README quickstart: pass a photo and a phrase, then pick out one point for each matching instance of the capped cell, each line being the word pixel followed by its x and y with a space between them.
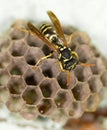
pixel 4 76
pixel 5 60
pixel 15 103
pixel 34 41
pixel 99 65
pixel 82 73
pixel 18 48
pixel 4 94
pixel 85 53
pixel 95 84
pixel 16 34
pixel 29 112
pixel 92 103
pixel 81 91
pixel 16 85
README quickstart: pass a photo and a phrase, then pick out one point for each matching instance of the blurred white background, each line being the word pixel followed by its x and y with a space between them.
pixel 88 15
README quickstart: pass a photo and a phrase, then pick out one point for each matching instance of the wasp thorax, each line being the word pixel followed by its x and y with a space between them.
pixel 71 64
pixel 65 53
pixel 68 61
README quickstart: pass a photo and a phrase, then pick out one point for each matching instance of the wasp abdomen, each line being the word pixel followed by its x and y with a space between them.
pixel 46 28
pixel 49 33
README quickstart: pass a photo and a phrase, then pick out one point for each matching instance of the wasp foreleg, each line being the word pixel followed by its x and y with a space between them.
pixel 43 58
pixel 61 66
pixel 75 54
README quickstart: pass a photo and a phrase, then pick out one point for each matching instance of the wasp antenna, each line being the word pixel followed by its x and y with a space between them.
pixel 68 78
pixel 87 64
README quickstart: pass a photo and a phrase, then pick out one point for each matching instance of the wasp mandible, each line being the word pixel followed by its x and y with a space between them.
pixel 55 39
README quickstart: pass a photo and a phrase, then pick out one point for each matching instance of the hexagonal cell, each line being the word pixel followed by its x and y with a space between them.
pixel 32 76
pixel 62 80
pixel 17 66
pixel 82 73
pixel 73 46
pixel 46 107
pixel 92 103
pixel 99 67
pixel 32 95
pixel 16 85
pixel 69 29
pixel 16 34
pixel 49 87
pixel 81 91
pixel 85 53
pixel 63 98
pixel 104 78
pixel 18 48
pixel 4 44
pixel 20 23
pixel 46 50
pixel 29 112
pixel 80 38
pixel 50 68
pixel 75 110
pixel 4 94
pixel 59 115
pixel 34 41
pixel 4 60
pixel 33 55
pixel 95 84
pixel 4 76
pixel 15 103
pixel 95 51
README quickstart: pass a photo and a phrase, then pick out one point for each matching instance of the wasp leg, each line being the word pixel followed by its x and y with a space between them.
pixel 86 64
pixel 68 77
pixel 61 66
pixel 75 54
pixel 43 58
pixel 82 64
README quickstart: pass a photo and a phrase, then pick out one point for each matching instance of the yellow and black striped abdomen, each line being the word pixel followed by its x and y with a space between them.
pixel 46 28
pixel 48 31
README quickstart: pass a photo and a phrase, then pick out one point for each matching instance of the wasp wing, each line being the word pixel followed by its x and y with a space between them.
pixel 36 32
pixel 57 26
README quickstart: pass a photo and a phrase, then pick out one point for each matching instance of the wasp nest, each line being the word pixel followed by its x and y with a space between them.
pixel 44 91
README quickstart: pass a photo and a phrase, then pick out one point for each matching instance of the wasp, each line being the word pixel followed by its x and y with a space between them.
pixel 55 39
